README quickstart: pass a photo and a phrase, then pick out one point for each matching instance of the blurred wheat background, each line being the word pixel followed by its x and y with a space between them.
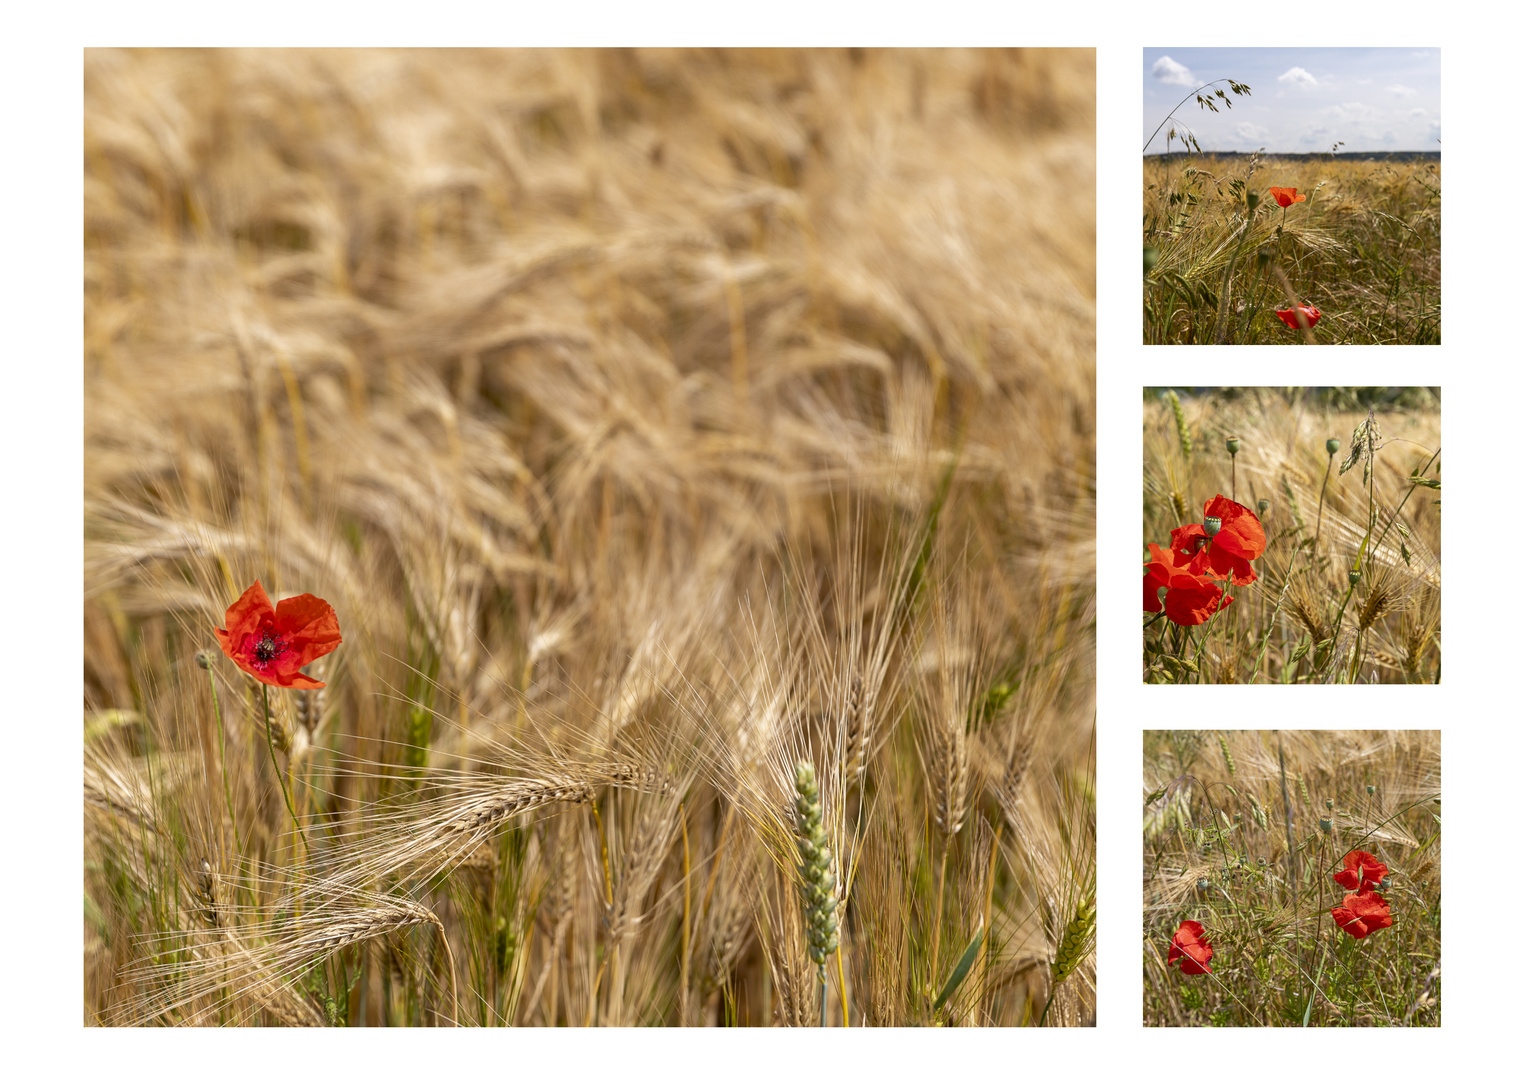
pixel 655 421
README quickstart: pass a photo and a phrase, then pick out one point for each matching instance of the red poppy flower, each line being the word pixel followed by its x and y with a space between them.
pixel 1362 871
pixel 1189 944
pixel 1285 196
pixel 1362 913
pixel 1189 600
pixel 1291 316
pixel 271 643
pixel 1228 554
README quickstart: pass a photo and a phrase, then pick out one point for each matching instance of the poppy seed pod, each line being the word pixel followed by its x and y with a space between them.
pixel 1253 198
pixel 1353 576
pixel 1329 804
pixel 1203 884
pixel 1233 445
pixel 1332 446
pixel 1262 507
pixel 1211 526
pixel 1326 824
pixel 1371 789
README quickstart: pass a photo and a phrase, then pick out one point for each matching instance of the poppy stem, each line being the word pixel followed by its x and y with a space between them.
pixel 270 743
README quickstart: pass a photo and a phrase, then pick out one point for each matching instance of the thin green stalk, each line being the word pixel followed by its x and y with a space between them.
pixel 270 742
pixel 1321 506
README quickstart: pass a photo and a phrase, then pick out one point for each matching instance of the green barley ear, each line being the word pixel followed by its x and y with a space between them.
pixel 1225 752
pixel 818 886
pixel 1185 441
pixel 1076 940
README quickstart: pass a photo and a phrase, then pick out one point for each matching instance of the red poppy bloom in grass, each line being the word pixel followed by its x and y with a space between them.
pixel 1286 196
pixel 1291 316
pixel 271 643
pixel 1361 871
pixel 1189 944
pixel 1228 553
pixel 1189 600
pixel 1362 913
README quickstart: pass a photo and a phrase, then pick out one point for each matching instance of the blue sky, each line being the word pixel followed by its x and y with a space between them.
pixel 1303 100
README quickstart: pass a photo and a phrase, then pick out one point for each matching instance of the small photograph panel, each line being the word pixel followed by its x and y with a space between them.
pixel 1292 535
pixel 1292 878
pixel 1292 196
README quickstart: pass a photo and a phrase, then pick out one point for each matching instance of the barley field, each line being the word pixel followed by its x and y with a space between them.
pixel 1297 533
pixel 1359 244
pixel 673 475
pixel 1292 878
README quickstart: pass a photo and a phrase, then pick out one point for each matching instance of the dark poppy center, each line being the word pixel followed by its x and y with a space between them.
pixel 268 647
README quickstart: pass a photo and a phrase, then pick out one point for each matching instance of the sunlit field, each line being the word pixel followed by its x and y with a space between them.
pixel 1232 241
pixel 1292 535
pixel 1293 879
pixel 669 476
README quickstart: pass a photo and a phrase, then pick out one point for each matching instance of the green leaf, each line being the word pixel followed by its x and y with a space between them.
pixel 962 969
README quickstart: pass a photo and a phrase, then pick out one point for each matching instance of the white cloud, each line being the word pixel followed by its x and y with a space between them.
pixel 1169 71
pixel 1401 91
pixel 1298 76
pixel 1248 132
pixel 1353 112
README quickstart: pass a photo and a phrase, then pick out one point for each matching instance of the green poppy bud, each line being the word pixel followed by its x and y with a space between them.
pixel 204 660
pixel 1262 507
pixel 1332 446
pixel 1371 789
pixel 1253 198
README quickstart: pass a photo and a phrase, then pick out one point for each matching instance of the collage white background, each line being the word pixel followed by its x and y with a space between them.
pixel 1478 707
